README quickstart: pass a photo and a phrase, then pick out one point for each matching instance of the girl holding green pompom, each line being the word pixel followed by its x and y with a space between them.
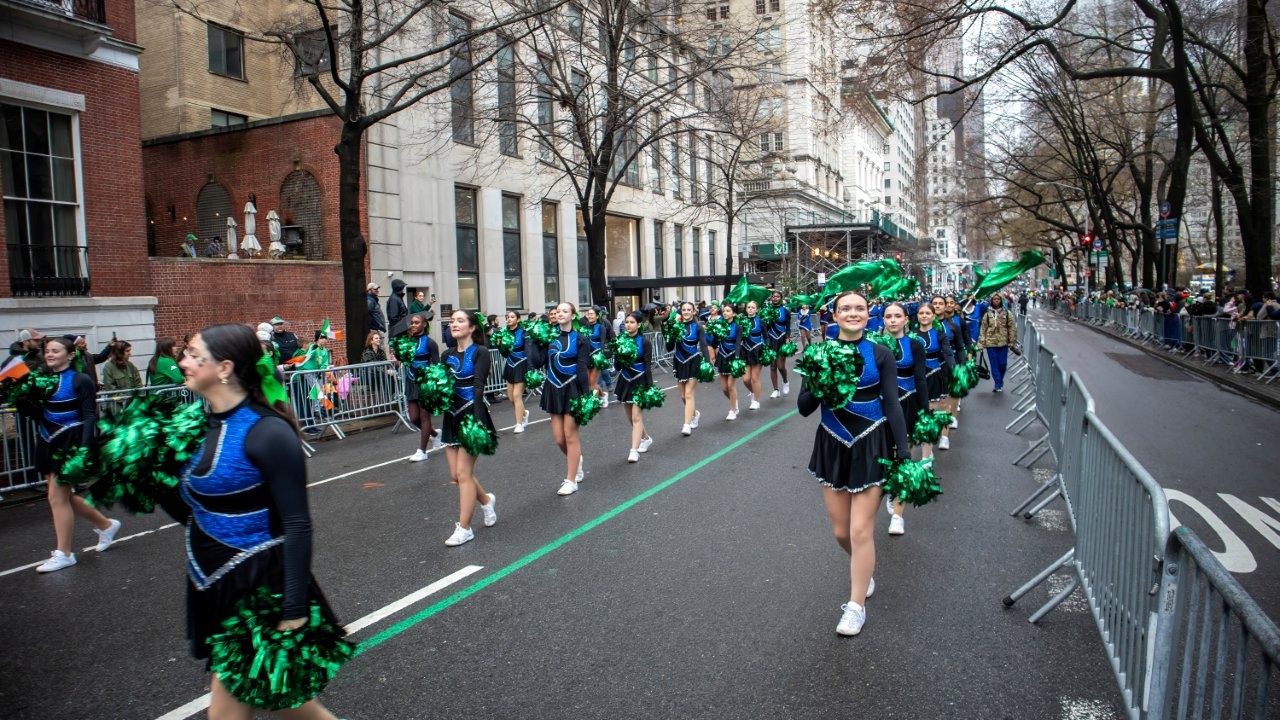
pixel 912 386
pixel 519 362
pixel 938 362
pixel 567 359
pixel 425 353
pixel 468 364
pixel 752 345
pixel 631 378
pixel 599 334
pixel 854 435
pixel 688 358
pixel 726 355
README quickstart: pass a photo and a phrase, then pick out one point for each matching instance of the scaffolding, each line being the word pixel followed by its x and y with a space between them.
pixel 817 251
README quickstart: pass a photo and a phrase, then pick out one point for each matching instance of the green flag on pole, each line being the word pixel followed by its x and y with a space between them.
pixel 1004 273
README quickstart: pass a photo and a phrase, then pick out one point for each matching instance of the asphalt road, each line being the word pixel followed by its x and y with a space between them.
pixel 1214 451
pixel 702 582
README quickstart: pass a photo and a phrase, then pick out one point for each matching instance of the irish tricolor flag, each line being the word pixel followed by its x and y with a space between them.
pixel 15 369
pixel 330 332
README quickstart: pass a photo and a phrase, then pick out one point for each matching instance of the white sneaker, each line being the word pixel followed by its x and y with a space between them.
pixel 751 397
pixel 944 443
pixel 490 511
pixel 435 441
pixel 460 535
pixel 108 536
pixel 567 487
pixel 524 421
pixel 955 422
pixel 519 428
pixel 774 395
pixel 57 560
pixel 633 455
pixel 697 416
pixel 645 443
pixel 786 388
pixel 733 414
pixel 418 456
pixel 581 472
pixel 888 504
pixel 686 430
pixel 896 525
pixel 851 622
pixel 871 587
pixel 604 401
pixel 755 405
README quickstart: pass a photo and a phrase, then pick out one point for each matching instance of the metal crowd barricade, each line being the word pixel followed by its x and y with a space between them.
pixel 661 357
pixel 495 384
pixel 1259 339
pixel 326 399
pixel 1048 406
pixel 1220 652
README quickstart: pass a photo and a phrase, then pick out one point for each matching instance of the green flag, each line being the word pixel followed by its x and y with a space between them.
pixel 745 291
pixel 1004 273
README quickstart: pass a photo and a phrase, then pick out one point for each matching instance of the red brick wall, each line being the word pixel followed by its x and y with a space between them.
pixel 110 155
pixel 255 160
pixel 193 293
pixel 121 20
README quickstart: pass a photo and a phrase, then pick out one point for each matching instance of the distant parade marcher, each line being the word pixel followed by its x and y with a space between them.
pixel 567 359
pixel 728 352
pixel 467 430
pixel 631 379
pixel 939 363
pixel 519 363
pixel 688 358
pixel 806 325
pixel 426 352
pixel 753 343
pixel 777 333
pixel 998 334
pixel 912 385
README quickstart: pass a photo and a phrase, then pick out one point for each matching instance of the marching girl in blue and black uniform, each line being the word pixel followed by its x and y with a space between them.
pixel 248 524
pixel 912 384
pixel 66 422
pixel 938 362
pixel 847 449
pixel 599 333
pixel 947 318
pixel 727 351
pixel 875 318
pixel 519 362
pixel 805 320
pixel 567 359
pixel 468 363
pixel 687 359
pixel 777 333
pixel 752 343
pixel 630 379
pixel 426 353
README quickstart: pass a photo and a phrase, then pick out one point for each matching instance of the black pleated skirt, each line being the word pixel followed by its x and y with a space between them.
pixel 851 468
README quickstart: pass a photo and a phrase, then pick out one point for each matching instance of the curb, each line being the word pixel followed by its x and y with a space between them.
pixel 1227 383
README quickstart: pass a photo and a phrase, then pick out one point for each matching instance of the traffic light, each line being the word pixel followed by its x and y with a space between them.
pixel 897 256
pixel 1086 241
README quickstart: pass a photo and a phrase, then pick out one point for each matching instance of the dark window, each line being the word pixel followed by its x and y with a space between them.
pixel 775 6
pixel 760 7
pixel 507 100
pixel 584 270
pixel 697 251
pixel 226 51
pixel 711 252
pixel 464 208
pixel 550 251
pixel 511 267
pixel 222 118
pixel 573 15
pixel 657 250
pixel 462 113
pixel 679 248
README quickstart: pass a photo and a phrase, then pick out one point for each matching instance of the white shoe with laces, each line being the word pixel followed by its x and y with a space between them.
pixel 851 622
pixel 567 487
pixel 686 430
pixel 944 443
pixel 490 511
pixel 57 561
pixel 775 395
pixel 786 388
pixel 418 456
pixel 108 536
pixel 733 414
pixel 633 455
pixel 645 443
pixel 460 535
pixel 697 416
pixel 955 422
pixel 755 405
pixel 888 504
pixel 897 525
pixel 604 401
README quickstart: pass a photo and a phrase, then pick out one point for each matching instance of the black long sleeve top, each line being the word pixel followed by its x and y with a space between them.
pixel 807 403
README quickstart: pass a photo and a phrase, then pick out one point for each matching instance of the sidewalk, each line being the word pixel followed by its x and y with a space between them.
pixel 1217 373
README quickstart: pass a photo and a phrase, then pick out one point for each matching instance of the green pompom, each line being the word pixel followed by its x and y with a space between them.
pixel 706 372
pixel 648 397
pixel 142 450
pixel 769 314
pixel 672 328
pixel 625 350
pixel 273 670
pixel 964 377
pixel 76 466
pixel 583 408
pixel 929 427
pixel 737 367
pixel 435 389
pixel 503 339
pixel 831 371
pixel 542 333
pixel 534 379
pixel 787 349
pixel 599 361
pixel 768 355
pixel 475 438
pixel 880 337
pixel 29 393
pixel 718 329
pixel 911 482
pixel 404 348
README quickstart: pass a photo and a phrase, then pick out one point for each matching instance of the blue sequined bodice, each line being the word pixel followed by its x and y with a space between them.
pixel 729 345
pixel 463 368
pixel 932 350
pixel 636 369
pixel 62 410
pixel 755 336
pixel 850 422
pixel 906 365
pixel 688 345
pixel 562 359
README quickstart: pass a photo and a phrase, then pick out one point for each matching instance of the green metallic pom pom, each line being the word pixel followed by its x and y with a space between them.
pixel 599 361
pixel 270 669
pixel 583 408
pixel 737 367
pixel 404 348
pixel 768 355
pixel 76 466
pixel 29 393
pixel 534 379
pixel 769 314
pixel 787 349
pixel 880 337
pixel 142 450
pixel 672 328
pixel 706 372
pixel 929 427
pixel 831 371
pixel 625 350
pixel 911 482
pixel 435 389
pixel 542 332
pixel 475 438
pixel 503 339
pixel 964 378
pixel 718 329
pixel 648 397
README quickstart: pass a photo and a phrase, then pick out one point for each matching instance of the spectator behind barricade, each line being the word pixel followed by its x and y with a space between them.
pixel 1022 302
pixel 30 346
pixel 285 341
pixel 83 360
pixel 163 368
pixel 377 321
pixel 119 372
pixel 1269 309
pixel 491 325
pixel 617 323
pixel 397 310
pixel 373 350
pixel 317 354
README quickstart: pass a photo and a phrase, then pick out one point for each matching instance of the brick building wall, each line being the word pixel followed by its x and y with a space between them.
pixel 196 293
pixel 110 157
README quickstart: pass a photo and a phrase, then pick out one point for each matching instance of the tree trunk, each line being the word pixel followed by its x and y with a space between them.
pixel 354 248
pixel 1216 209
pixel 596 244
pixel 1258 99
pixel 729 245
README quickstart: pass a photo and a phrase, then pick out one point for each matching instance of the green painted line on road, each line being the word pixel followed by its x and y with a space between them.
pixel 488 580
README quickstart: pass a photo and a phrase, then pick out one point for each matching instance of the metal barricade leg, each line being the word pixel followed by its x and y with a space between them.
pixel 1041 444
pixel 1043 575
pixel 1051 484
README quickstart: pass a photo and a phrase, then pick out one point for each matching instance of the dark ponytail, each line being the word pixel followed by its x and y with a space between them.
pixel 239 344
